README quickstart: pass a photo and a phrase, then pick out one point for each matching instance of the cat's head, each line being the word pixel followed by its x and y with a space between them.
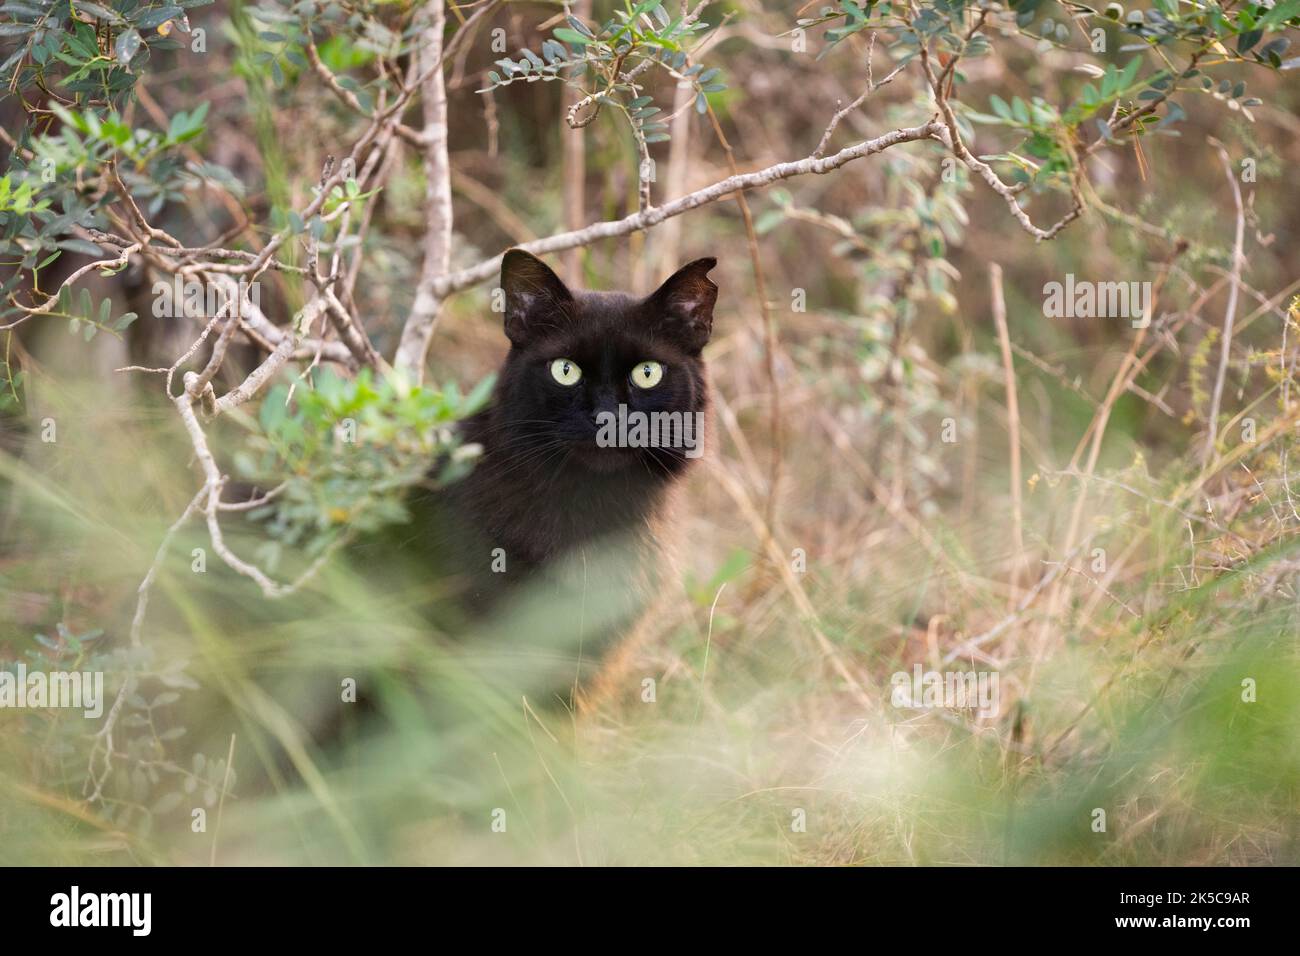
pixel 585 367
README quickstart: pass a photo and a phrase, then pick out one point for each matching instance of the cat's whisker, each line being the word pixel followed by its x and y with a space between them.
pixel 515 462
pixel 652 456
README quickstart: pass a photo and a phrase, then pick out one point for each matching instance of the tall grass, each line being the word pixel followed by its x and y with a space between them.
pixel 1155 680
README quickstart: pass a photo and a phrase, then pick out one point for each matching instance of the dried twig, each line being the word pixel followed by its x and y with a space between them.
pixel 418 329
pixel 1013 422
pixel 487 269
pixel 1230 315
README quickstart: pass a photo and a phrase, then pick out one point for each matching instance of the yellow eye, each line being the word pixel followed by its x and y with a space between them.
pixel 565 371
pixel 647 375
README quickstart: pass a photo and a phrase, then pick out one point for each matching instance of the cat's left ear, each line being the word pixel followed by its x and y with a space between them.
pixel 682 308
pixel 536 299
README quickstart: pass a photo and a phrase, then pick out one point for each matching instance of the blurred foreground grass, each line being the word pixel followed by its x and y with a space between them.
pixel 1127 698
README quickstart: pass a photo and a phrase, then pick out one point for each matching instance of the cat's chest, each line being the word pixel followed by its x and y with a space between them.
pixel 574 551
pixel 549 512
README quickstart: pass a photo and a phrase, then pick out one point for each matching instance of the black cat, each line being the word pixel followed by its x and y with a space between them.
pixel 529 575
pixel 557 535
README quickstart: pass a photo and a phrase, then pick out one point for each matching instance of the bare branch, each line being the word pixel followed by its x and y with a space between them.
pixel 48 305
pixel 465 278
pixel 272 364
pixel 418 329
pixel 951 137
pixel 1230 315
pixel 872 86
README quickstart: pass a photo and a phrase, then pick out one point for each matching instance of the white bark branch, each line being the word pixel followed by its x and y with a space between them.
pixel 464 278
pixel 418 329
pixel 1230 314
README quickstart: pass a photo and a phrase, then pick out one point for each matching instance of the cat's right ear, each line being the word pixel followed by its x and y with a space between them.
pixel 683 305
pixel 535 298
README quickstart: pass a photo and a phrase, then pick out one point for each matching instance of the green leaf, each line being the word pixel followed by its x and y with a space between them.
pixel 580 26
pixel 1248 40
pixel 769 220
pixel 152 18
pixel 1280 14
pixel 80 246
pixel 570 36
pixel 1129 73
pixel 1109 82
pixel 126 46
pixel 478 396
pixel 18 6
pixel 96 11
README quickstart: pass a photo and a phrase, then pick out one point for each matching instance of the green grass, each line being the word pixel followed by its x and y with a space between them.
pixel 755 750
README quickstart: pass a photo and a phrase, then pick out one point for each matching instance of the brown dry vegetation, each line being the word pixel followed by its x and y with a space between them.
pixel 891 482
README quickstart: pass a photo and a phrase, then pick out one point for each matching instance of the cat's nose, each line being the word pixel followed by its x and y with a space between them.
pixel 604 402
pixel 603 415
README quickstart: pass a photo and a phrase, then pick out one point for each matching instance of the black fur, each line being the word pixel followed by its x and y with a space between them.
pixel 571 521
pixel 543 486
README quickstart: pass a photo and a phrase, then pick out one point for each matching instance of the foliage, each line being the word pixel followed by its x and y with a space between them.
pixel 1124 679
pixel 605 60
pixel 344 451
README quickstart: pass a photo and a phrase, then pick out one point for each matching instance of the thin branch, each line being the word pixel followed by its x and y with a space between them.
pixel 1230 316
pixel 1013 421
pixel 418 329
pixel 465 278
pixel 48 305
pixel 872 86
pixel 951 136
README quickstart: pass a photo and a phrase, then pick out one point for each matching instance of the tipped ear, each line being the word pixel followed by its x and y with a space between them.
pixel 535 297
pixel 683 305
